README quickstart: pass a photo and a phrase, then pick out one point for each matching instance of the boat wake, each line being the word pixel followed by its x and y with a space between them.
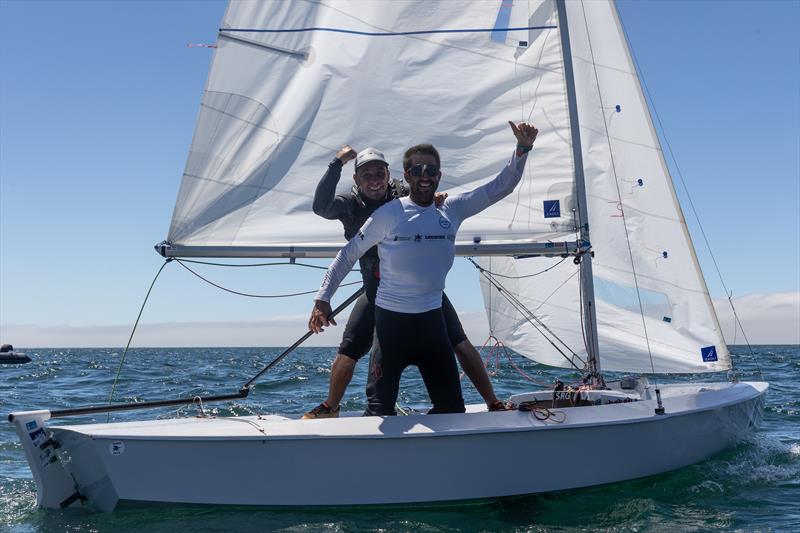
pixel 764 460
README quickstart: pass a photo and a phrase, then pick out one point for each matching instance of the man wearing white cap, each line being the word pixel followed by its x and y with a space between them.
pixel 372 189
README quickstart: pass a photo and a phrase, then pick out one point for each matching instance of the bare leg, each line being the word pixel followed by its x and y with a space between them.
pixel 473 367
pixel 341 374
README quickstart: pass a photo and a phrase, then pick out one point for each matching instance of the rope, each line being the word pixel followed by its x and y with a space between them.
pixel 252 264
pixel 689 198
pixel 532 319
pixel 543 413
pixel 527 275
pixel 540 413
pixel 130 338
pixel 288 295
pixel 495 351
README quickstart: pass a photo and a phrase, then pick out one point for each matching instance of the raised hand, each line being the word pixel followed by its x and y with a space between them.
pixel 524 132
pixel 345 154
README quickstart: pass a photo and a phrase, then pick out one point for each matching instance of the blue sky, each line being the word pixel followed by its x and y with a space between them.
pixel 98 102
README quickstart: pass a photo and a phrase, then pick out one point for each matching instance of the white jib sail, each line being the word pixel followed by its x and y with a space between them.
pixel 625 173
pixel 278 104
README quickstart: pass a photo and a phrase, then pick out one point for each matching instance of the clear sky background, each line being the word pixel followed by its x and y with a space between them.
pixel 98 102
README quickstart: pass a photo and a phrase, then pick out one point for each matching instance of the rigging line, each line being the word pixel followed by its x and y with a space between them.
pixel 688 196
pixel 384 33
pixel 619 193
pixel 289 295
pixel 527 275
pixel 494 352
pixel 130 338
pixel 502 289
pixel 577 270
pixel 282 263
pixel 352 298
pixel 491 328
pixel 533 320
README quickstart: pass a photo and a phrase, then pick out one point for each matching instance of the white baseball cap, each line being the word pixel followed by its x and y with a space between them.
pixel 370 154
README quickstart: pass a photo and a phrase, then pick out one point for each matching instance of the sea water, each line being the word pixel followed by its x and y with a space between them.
pixel 754 487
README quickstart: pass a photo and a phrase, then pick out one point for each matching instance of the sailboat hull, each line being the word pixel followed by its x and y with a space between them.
pixel 277 461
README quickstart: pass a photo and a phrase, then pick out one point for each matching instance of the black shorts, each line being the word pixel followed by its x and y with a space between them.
pixel 358 333
pixel 419 339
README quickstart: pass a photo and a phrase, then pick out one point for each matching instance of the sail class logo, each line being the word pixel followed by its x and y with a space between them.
pixel 709 354
pixel 552 208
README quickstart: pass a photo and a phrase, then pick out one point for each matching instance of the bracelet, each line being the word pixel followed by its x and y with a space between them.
pixel 336 162
pixel 522 149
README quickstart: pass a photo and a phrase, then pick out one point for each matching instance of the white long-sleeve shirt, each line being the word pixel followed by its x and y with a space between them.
pixel 416 245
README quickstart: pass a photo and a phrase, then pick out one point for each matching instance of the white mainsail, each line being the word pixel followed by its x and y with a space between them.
pixel 625 173
pixel 279 103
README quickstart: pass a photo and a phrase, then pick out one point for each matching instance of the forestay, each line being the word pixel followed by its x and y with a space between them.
pixel 625 173
pixel 279 103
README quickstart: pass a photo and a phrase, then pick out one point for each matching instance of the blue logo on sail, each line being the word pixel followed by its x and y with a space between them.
pixel 552 208
pixel 709 354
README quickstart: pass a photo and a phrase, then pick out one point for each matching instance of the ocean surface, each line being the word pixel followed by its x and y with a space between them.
pixel 755 487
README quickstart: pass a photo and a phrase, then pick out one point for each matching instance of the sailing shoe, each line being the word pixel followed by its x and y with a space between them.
pixel 497 405
pixel 323 410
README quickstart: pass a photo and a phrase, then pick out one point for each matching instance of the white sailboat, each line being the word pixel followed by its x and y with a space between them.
pixel 291 81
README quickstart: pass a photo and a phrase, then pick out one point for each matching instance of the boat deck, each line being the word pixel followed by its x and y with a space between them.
pixel 677 400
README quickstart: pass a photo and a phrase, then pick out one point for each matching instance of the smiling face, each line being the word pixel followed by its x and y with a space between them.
pixel 372 179
pixel 422 188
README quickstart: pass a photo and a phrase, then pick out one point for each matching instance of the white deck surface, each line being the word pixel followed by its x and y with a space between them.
pixel 677 400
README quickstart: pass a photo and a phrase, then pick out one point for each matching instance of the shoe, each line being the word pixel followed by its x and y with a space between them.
pixel 323 410
pixel 497 405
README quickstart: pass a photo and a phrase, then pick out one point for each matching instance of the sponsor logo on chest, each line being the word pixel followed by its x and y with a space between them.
pixel 424 237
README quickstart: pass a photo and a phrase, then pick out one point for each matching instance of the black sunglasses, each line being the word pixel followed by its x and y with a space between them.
pixel 429 170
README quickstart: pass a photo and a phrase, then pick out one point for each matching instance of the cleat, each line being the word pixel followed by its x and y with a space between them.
pixel 497 405
pixel 323 410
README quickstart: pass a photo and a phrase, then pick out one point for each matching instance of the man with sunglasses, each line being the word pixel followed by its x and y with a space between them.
pixel 416 246
pixel 372 189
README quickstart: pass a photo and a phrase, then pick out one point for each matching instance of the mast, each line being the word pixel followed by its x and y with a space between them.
pixel 587 280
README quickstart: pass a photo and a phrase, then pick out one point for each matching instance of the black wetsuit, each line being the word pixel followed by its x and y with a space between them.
pixel 353 209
